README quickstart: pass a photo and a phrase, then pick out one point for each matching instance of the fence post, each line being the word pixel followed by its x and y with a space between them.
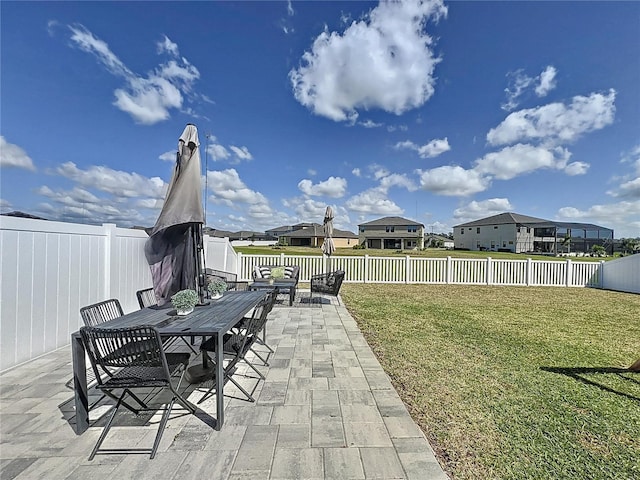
pixel 489 274
pixel 568 274
pixel 366 269
pixel 281 259
pixel 601 275
pixel 109 253
pixel 239 271
pixel 448 273
pixel 407 269
pixel 528 273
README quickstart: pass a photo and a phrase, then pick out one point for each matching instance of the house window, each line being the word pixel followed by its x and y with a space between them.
pixel 412 229
pixel 478 230
pixel 361 229
pixel 462 231
pixel 390 229
pixel 495 227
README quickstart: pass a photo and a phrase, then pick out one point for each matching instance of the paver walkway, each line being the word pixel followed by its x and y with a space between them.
pixel 326 411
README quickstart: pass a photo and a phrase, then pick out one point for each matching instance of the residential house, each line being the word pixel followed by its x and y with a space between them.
pixel 512 232
pixel 312 235
pixel 394 233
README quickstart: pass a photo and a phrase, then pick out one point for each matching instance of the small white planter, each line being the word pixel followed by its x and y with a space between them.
pixel 186 311
pixel 216 296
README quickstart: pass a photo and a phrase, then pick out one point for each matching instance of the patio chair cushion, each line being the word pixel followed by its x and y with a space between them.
pixel 266 271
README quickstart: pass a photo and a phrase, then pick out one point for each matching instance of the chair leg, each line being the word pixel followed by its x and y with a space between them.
pixel 262 377
pixel 251 399
pixel 264 361
pixel 106 428
pixel 163 424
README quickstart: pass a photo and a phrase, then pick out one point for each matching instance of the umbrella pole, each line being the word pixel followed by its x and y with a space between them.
pixel 200 275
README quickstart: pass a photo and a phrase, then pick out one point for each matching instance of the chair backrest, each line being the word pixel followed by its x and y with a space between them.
pixel 240 341
pixel 129 347
pixel 227 276
pixel 338 276
pixel 146 297
pixel 101 312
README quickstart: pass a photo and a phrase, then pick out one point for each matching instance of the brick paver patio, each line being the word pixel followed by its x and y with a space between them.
pixel 327 410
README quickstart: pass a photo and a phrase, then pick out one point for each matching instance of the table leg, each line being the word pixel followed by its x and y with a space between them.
pixel 219 381
pixel 292 294
pixel 81 395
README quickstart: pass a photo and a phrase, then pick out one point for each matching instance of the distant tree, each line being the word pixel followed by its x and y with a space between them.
pixel 598 251
pixel 630 245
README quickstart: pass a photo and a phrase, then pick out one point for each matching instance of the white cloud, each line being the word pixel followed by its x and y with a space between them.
pixel 334 187
pixel 519 84
pixel 147 100
pixel 556 123
pixel 432 149
pixel 518 159
pixel 82 206
pixel 633 157
pixel 484 208
pixel 356 172
pixel 370 124
pixel 373 201
pixel 630 188
pixel 379 171
pixel 167 46
pixel 115 182
pixel 452 181
pixel 397 180
pixel 383 61
pixel 218 152
pixel 547 81
pixel 623 217
pixel 5 204
pixel 227 187
pixel 13 156
pixel 169 156
pixel 241 153
pixel 576 168
pixel 312 172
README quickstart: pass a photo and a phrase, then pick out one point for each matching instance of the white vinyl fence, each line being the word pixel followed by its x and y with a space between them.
pixel 49 270
pixel 489 271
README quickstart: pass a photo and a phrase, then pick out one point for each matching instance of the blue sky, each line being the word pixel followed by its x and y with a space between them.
pixel 440 112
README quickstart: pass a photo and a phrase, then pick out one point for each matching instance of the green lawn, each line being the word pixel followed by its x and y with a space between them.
pixel 512 383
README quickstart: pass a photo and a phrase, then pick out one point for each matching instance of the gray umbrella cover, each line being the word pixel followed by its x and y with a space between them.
pixel 171 247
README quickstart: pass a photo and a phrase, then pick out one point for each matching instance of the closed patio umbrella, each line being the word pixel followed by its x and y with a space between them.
pixel 328 247
pixel 174 249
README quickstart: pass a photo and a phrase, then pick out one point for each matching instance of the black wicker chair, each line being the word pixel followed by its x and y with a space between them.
pixel 146 298
pixel 100 312
pixel 327 283
pixel 238 342
pixel 140 356
pixel 231 279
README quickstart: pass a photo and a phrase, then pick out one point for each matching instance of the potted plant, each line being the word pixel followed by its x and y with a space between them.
pixel 216 288
pixel 185 301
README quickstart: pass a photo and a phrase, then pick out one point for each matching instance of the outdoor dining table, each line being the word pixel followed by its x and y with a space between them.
pixel 212 320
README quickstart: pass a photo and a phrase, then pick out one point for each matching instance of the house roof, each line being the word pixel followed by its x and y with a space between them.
pixel 283 228
pixel 316 230
pixel 384 221
pixel 506 218
pixel 509 218
pixel 438 237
